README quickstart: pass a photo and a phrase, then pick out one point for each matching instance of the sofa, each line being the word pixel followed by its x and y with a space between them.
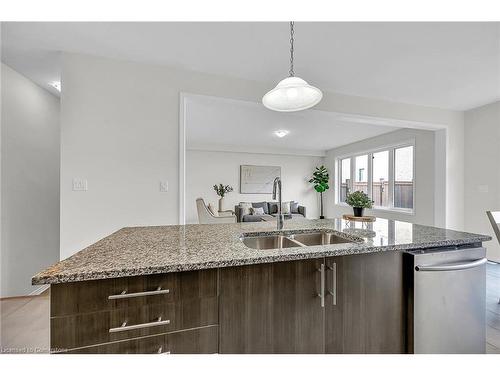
pixel 270 210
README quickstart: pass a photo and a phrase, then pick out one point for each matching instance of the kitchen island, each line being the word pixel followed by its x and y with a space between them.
pixel 201 289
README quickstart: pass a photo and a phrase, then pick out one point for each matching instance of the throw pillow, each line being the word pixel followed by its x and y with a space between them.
pixel 259 211
pixel 212 210
pixel 245 208
pixel 273 208
pixel 294 207
pixel 285 208
pixel 263 205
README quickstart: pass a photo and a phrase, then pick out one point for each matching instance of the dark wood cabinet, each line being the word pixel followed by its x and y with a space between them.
pixel 195 341
pixel 114 311
pixel 347 304
pixel 92 296
pixel 271 308
pixel 80 330
pixel 364 313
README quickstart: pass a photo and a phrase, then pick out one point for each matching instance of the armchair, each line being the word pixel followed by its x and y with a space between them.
pixel 207 217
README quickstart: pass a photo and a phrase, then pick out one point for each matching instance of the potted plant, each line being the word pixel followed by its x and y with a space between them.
pixel 358 200
pixel 221 191
pixel 320 181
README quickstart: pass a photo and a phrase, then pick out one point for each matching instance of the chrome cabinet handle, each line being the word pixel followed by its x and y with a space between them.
pixel 124 294
pixel 160 350
pixel 321 294
pixel 333 292
pixel 452 267
pixel 125 327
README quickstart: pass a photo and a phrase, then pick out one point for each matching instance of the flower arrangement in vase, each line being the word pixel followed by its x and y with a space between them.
pixel 221 191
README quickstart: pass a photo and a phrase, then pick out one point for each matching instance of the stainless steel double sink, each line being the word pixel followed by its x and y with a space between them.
pixel 292 239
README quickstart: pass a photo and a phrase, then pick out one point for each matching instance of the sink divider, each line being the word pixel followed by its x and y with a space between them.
pixel 290 237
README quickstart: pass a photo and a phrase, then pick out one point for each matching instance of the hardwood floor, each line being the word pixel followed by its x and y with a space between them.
pixel 24 324
pixel 24 321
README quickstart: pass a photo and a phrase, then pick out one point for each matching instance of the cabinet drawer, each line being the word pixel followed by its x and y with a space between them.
pixel 129 292
pixel 195 341
pixel 75 331
pixel 148 345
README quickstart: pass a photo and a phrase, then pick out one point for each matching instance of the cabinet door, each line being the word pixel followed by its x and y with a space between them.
pixel 271 308
pixel 364 310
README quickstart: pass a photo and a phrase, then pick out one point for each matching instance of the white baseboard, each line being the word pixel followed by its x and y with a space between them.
pixel 39 290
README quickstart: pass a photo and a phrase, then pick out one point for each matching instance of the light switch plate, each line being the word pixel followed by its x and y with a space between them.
pixel 80 184
pixel 163 186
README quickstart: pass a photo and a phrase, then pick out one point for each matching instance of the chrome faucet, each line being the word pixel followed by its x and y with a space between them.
pixel 277 188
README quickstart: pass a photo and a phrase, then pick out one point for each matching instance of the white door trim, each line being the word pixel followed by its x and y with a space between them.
pixel 182 157
pixel 440 211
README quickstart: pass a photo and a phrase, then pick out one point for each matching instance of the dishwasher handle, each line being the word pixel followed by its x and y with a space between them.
pixel 453 267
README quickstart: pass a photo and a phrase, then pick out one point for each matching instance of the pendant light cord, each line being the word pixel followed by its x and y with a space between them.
pixel 292 73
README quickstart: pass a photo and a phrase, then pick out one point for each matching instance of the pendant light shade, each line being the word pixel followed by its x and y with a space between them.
pixel 292 93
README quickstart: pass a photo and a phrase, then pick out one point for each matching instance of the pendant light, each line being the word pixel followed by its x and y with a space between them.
pixel 292 93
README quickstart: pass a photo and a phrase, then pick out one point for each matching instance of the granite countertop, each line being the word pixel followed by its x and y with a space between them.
pixel 160 249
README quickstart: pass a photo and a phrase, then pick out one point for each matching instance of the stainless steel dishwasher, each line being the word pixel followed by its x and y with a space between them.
pixel 447 300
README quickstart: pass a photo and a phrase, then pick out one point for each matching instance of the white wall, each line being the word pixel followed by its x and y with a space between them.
pixel 424 174
pixel 482 171
pixel 120 132
pixel 30 182
pixel 206 168
pixel 440 185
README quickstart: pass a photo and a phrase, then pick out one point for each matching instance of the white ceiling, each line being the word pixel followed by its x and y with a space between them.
pixel 233 125
pixel 446 65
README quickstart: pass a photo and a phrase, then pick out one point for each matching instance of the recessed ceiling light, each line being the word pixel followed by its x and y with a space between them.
pixel 56 85
pixel 281 133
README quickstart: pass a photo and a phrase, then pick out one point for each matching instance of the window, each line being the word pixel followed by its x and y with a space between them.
pixel 380 179
pixel 403 177
pixel 361 180
pixel 361 174
pixel 386 175
pixel 345 178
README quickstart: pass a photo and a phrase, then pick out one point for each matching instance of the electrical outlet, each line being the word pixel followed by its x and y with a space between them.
pixel 163 186
pixel 80 184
